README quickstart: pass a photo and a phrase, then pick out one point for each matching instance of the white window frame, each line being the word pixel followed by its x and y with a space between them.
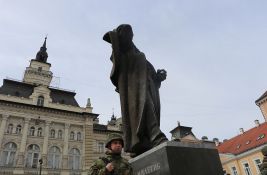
pixel 233 172
pixel 18 129
pixel 31 156
pixel 74 159
pixel 60 134
pixel 54 158
pixel 244 168
pixel 52 133
pixel 72 135
pixel 40 100
pixel 32 131
pixel 10 128
pixel 79 136
pixel 256 165
pixel 9 159
pixel 100 147
pixel 39 132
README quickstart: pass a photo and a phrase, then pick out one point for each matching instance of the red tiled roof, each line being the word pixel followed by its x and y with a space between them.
pixel 250 139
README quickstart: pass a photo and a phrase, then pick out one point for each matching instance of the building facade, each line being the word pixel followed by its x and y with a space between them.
pixel 43 128
pixel 241 155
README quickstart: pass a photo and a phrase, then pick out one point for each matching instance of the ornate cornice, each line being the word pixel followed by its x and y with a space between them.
pixel 47 110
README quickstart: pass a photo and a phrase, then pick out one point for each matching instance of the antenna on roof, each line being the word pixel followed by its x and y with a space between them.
pixel 55 81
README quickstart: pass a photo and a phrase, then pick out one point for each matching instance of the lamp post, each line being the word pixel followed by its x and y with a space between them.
pixel 41 163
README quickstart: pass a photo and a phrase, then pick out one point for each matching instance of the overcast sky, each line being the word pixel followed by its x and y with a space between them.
pixel 214 52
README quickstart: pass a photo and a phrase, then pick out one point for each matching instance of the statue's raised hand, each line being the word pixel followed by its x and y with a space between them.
pixel 161 74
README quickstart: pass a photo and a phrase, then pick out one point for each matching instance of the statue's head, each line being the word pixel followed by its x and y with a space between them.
pixel 43 49
pixel 125 33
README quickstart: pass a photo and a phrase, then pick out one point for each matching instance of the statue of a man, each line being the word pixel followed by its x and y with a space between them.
pixel 138 84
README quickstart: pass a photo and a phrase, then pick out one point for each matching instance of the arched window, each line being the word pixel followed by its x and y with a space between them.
pixel 52 133
pixel 40 101
pixel 71 135
pixel 33 154
pixel 18 129
pixel 59 134
pixel 39 132
pixel 79 136
pixel 74 159
pixel 54 157
pixel 32 130
pixel 9 128
pixel 8 156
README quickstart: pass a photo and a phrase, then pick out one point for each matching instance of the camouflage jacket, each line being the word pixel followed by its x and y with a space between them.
pixel 121 166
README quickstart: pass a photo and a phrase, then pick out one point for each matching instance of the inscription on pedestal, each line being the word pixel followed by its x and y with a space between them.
pixel 149 169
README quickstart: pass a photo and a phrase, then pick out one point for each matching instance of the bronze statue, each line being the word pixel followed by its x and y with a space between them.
pixel 138 84
pixel 42 55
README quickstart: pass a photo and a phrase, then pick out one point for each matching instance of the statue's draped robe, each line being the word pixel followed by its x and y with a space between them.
pixel 136 81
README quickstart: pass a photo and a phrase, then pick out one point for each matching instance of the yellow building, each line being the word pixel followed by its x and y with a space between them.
pixel 241 155
pixel 38 121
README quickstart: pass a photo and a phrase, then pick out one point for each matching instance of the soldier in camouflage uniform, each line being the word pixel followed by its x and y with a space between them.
pixel 112 163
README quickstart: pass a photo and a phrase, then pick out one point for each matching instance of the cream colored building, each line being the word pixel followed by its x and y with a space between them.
pixel 241 155
pixel 38 121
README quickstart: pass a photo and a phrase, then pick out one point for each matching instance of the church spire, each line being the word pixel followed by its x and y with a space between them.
pixel 44 45
pixel 42 55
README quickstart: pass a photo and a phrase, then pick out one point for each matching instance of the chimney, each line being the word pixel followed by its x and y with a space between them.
pixel 204 138
pixel 216 141
pixel 178 123
pixel 88 105
pixel 257 123
pixel 241 130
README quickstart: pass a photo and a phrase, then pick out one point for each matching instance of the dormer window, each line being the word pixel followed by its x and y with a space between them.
pixel 40 101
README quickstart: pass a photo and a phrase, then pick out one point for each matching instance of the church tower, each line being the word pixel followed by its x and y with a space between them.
pixel 38 73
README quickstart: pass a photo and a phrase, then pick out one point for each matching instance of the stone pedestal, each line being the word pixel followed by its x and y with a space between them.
pixel 179 158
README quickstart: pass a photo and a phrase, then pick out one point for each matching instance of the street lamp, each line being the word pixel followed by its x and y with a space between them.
pixel 41 163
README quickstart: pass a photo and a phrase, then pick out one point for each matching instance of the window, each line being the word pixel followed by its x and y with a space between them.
pixel 59 134
pixel 52 133
pixel 39 69
pixel 54 157
pixel 247 169
pixel 71 135
pixel 258 164
pixel 234 171
pixel 33 153
pixel 79 136
pixel 261 136
pixel 74 159
pixel 40 101
pixel 100 147
pixel 18 129
pixel 39 132
pixel 32 130
pixel 9 153
pixel 9 129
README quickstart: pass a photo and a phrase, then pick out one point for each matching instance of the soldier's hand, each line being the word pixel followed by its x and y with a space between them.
pixel 110 167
